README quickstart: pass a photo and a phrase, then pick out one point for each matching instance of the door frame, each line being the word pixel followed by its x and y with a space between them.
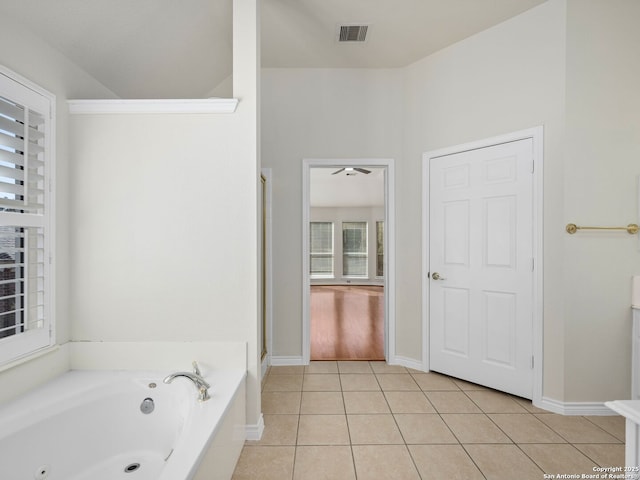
pixel 389 247
pixel 267 259
pixel 537 136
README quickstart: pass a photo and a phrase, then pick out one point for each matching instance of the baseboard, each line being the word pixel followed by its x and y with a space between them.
pixel 286 360
pixel 575 408
pixel 406 362
pixel 254 432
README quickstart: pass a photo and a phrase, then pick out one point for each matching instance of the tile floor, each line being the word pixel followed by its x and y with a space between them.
pixel 373 421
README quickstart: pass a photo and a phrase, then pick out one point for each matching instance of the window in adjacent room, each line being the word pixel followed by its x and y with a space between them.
pixel 26 217
pixel 354 249
pixel 380 249
pixel 321 248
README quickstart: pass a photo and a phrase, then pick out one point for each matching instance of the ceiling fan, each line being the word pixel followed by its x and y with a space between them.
pixel 352 171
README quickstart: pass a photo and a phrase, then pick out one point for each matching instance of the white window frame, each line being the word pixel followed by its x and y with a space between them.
pixel 23 92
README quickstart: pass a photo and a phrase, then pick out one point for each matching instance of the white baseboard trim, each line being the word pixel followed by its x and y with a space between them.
pixel 575 408
pixel 254 432
pixel 286 360
pixel 406 362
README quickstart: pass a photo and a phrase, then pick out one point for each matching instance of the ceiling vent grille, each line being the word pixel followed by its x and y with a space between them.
pixel 353 33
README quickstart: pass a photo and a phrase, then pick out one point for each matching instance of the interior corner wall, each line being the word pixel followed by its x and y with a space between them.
pixel 601 170
pixel 317 113
pixel 27 55
pixel 507 78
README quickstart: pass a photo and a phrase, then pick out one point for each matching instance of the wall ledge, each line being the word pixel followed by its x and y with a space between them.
pixel 144 106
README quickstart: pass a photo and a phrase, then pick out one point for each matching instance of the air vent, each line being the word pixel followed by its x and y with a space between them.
pixel 353 33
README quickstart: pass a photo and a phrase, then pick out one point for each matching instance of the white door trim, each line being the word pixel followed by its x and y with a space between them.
pixel 537 135
pixel 390 261
pixel 268 175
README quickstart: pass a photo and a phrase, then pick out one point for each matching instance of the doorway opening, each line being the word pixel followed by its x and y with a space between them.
pixel 348 259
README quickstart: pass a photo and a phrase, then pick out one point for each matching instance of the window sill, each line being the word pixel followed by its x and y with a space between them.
pixel 29 357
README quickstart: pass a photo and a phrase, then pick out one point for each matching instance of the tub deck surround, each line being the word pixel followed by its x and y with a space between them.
pixel 89 425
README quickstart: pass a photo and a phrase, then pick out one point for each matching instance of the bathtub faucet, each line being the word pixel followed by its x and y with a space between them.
pixel 196 377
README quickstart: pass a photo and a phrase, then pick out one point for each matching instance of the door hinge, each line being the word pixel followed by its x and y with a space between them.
pixel 533 166
pixel 532 361
pixel 533 264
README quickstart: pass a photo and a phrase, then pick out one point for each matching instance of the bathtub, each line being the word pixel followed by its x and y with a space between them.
pixel 90 425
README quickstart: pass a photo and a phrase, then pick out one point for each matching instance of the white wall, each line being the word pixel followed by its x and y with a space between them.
pixel 602 163
pixel 337 215
pixel 27 55
pixel 568 65
pixel 504 79
pixel 317 113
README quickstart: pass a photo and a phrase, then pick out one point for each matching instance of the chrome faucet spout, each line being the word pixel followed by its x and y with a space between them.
pixel 200 383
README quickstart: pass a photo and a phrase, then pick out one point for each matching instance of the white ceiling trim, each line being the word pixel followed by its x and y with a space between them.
pixel 211 105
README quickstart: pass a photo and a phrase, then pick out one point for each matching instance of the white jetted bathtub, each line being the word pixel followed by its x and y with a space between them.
pixel 97 425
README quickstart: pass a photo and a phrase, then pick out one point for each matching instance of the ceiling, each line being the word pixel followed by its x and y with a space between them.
pixel 342 190
pixel 182 49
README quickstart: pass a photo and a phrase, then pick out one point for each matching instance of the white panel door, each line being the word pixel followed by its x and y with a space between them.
pixel 481 266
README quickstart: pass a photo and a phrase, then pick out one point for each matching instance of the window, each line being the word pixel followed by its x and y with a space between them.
pixel 354 249
pixel 380 249
pixel 321 248
pixel 26 163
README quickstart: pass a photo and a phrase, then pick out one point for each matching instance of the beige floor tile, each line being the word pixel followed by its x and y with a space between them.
pixel 464 385
pixel 324 463
pixel 283 383
pixel 613 424
pixel 373 430
pixel 384 367
pixel 438 462
pixel 502 462
pixel 452 402
pixel 359 382
pixel 434 381
pixel 554 458
pixel 323 382
pixel 384 462
pixel 323 430
pixel 397 382
pixel 365 402
pixel 286 370
pixel 354 367
pixel 409 402
pixel 321 367
pixel 278 430
pixel 322 403
pixel 605 455
pixel 491 401
pixel 576 429
pixel 528 406
pixel 281 402
pixel 474 428
pixel 265 463
pixel 424 428
pixel 525 428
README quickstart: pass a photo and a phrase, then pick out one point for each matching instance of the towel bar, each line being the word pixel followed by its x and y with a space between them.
pixel 631 229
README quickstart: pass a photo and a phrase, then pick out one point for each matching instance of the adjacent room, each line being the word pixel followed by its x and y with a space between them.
pixel 346 259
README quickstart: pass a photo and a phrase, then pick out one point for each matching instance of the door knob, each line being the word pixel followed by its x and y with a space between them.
pixel 436 276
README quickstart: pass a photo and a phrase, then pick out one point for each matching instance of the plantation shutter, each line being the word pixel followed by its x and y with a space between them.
pixel 24 198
